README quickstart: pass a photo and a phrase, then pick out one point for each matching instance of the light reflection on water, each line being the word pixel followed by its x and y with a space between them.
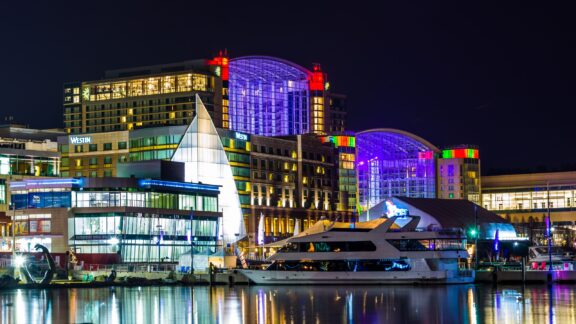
pixel 268 304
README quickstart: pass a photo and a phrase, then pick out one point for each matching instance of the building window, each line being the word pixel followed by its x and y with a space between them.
pixel 93 174
pixel 122 145
pixel 107 160
pixel 107 146
pixel 78 148
pixel 93 147
pixel 107 173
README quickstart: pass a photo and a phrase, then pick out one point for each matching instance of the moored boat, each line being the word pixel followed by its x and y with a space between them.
pixel 376 252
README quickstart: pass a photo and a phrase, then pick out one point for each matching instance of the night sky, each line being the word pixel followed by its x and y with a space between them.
pixel 501 78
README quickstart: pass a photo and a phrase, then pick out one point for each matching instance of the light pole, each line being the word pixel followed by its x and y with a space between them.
pixel 13 203
pixel 476 237
pixel 160 236
pixel 191 238
pixel 549 230
pixel 369 189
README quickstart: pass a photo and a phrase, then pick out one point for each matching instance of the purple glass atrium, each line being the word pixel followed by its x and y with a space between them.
pixel 391 163
pixel 269 96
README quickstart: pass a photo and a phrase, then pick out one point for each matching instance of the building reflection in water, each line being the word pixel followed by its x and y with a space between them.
pixel 268 304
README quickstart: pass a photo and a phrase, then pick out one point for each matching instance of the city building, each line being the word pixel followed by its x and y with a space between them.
pixel 254 94
pixel 26 153
pixel 459 173
pixel 392 162
pixel 272 97
pixel 144 96
pixel 111 220
pixel 294 184
pixel 526 199
pixel 93 154
pixel 347 177
pixel 337 108
pixel 306 194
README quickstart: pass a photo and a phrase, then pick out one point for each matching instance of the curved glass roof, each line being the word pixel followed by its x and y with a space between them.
pixel 266 68
pixel 268 96
pixel 393 162
pixel 376 142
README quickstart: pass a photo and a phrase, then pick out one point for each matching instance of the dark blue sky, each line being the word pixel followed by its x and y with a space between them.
pixel 502 78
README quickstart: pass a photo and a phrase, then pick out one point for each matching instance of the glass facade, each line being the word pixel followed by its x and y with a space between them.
pixel 237 148
pixel 269 96
pixel 64 198
pixel 155 143
pixel 146 87
pixel 205 160
pixel 166 217
pixel 527 199
pixel 142 237
pixel 29 165
pixel 2 192
pixel 391 163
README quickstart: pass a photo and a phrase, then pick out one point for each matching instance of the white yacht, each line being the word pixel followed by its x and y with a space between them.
pixel 540 254
pixel 374 252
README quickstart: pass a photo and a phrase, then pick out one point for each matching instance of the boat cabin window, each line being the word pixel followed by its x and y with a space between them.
pixel 342 265
pixel 357 246
pixel 429 245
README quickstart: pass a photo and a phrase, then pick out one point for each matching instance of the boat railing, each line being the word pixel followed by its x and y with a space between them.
pixel 465 273
pixel 530 266
pixel 129 267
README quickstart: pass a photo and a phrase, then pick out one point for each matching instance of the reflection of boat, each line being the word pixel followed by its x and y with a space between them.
pixel 375 252
pixel 540 254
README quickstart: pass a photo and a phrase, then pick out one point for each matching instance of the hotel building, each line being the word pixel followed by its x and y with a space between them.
pixel 142 97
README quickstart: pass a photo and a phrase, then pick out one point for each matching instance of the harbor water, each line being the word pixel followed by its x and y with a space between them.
pixel 285 304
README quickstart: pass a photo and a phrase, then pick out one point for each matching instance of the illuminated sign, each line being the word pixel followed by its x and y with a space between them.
pixel 393 210
pixel 340 140
pixel 462 153
pixel 80 139
pixel 240 136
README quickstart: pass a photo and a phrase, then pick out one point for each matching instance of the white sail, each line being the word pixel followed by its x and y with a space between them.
pixel 297 227
pixel 260 237
pixel 205 161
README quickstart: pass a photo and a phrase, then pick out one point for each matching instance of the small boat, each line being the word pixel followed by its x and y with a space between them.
pixel 374 252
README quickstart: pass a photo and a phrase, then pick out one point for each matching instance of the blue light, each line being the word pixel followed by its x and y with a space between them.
pixel 396 265
pixel 46 183
pixel 177 185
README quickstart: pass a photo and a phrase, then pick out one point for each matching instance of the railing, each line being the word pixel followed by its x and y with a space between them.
pixel 5 262
pixel 465 273
pixel 530 266
pixel 129 267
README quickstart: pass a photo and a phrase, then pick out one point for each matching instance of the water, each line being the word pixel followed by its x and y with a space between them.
pixel 268 304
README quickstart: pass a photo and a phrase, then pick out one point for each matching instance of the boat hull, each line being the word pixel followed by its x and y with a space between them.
pixel 267 277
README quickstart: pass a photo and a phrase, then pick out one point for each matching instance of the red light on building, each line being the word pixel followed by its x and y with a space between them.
pixel 221 61
pixel 317 79
pixel 428 155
